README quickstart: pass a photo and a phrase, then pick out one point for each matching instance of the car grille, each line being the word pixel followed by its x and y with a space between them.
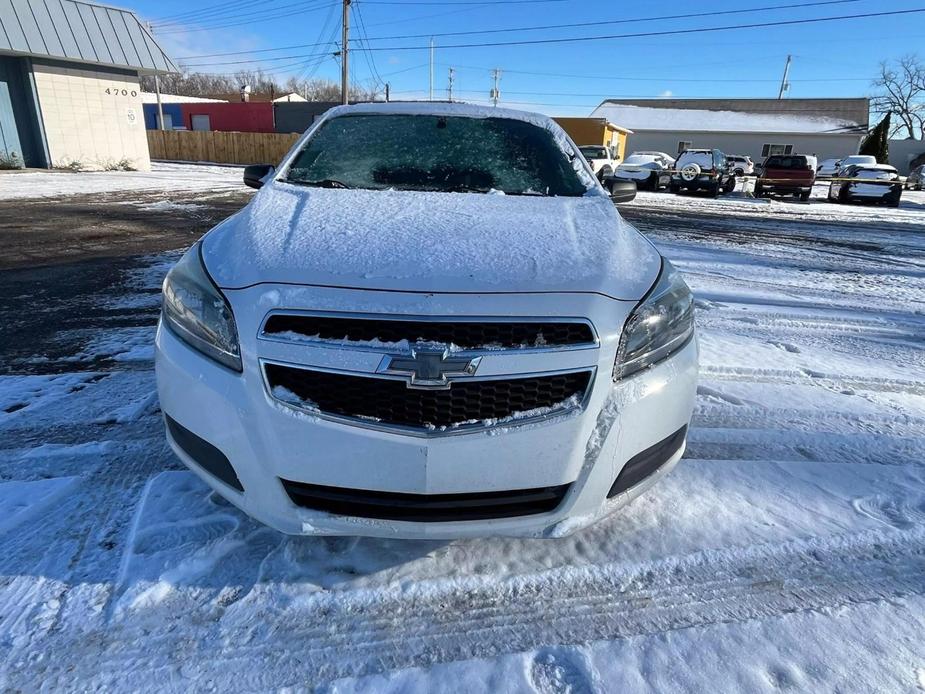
pixel 425 508
pixel 391 402
pixel 462 333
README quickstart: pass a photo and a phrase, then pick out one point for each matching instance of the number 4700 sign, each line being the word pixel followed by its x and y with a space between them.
pixel 120 92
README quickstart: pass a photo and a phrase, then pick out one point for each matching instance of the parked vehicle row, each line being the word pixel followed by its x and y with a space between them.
pixel 714 172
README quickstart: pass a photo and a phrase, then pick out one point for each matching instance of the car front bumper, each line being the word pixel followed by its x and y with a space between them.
pixel 266 442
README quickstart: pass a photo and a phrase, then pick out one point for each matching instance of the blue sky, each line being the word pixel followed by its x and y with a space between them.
pixel 829 59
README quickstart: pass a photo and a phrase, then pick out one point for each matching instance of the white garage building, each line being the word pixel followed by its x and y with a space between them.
pixel 69 84
pixel 828 128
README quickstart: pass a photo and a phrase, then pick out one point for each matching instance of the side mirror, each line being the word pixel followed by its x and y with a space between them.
pixel 621 191
pixel 255 173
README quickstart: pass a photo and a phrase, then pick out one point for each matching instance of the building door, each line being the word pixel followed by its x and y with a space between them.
pixel 11 155
pixel 201 122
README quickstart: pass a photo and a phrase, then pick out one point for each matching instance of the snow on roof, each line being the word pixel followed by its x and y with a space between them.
pixel 641 118
pixel 151 98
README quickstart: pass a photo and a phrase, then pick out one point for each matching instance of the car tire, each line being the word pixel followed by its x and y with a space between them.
pixel 714 191
pixel 739 172
pixel 759 191
pixel 804 197
pixel 652 183
pixel 729 186
pixel 918 186
pixel 674 188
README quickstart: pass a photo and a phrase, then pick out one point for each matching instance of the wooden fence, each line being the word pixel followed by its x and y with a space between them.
pixel 219 147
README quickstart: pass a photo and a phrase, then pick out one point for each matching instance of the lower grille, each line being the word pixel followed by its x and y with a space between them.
pixel 425 508
pixel 390 401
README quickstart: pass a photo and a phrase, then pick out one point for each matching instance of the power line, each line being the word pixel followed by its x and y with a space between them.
pixel 663 78
pixel 636 20
pixel 673 32
pixel 224 15
pixel 464 2
pixel 370 60
pixel 261 16
pixel 554 26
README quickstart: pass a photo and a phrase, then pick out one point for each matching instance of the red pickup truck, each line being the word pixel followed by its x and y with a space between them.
pixel 791 174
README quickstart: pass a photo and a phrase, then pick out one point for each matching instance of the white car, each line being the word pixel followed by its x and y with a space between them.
pixel 828 168
pixel 876 183
pixel 600 159
pixel 833 167
pixel 741 165
pixel 430 322
pixel 650 170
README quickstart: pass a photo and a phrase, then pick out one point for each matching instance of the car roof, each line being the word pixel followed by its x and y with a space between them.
pixel 874 167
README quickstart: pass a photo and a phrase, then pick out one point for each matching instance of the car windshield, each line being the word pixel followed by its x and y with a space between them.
pixel 594 152
pixel 637 159
pixel 875 174
pixel 786 163
pixel 435 153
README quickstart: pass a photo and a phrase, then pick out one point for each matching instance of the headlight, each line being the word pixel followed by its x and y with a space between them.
pixel 660 325
pixel 195 310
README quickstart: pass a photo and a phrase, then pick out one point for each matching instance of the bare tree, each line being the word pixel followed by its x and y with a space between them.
pixel 203 84
pixel 900 91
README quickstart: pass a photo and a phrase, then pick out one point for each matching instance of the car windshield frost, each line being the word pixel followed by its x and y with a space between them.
pixel 435 153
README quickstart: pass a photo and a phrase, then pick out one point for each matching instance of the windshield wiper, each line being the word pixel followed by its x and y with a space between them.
pixel 532 193
pixel 322 183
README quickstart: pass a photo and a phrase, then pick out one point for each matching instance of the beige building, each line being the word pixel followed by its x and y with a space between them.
pixel 69 85
pixel 827 128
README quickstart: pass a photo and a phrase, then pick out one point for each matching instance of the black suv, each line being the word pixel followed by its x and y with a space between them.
pixel 702 169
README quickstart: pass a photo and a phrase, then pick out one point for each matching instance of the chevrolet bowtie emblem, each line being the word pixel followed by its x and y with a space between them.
pixel 429 369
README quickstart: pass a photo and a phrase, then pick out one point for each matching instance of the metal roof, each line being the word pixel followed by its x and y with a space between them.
pixel 81 32
pixel 832 115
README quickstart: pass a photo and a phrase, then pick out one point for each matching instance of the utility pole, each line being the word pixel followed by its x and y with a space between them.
pixel 449 84
pixel 344 52
pixel 160 106
pixel 157 91
pixel 495 90
pixel 784 84
pixel 388 89
pixel 431 69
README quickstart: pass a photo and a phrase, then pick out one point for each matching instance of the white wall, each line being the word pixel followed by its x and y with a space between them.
pixel 748 144
pixel 84 125
pixel 904 151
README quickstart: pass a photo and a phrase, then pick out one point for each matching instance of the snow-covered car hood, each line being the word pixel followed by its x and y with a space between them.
pixel 431 242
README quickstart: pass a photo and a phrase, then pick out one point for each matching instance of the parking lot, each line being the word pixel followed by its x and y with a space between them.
pixel 791 537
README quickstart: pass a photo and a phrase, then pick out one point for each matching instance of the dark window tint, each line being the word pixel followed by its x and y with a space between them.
pixel 436 153
pixel 786 163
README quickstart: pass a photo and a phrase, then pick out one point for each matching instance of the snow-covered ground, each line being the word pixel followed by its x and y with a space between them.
pixel 163 176
pixel 786 552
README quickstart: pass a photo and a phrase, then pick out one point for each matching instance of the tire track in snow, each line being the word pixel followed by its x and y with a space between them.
pixel 788 376
pixel 327 635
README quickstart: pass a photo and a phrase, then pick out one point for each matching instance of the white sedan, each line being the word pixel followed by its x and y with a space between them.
pixel 430 322
pixel 650 170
